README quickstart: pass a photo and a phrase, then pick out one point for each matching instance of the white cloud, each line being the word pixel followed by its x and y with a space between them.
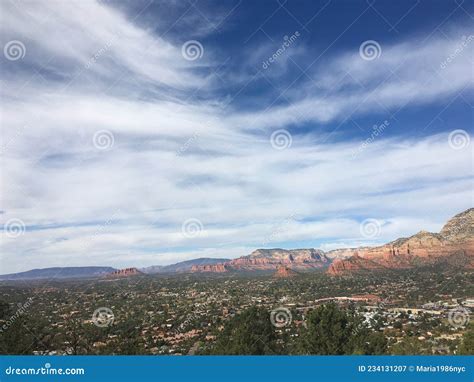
pixel 407 73
pixel 175 158
pixel 83 36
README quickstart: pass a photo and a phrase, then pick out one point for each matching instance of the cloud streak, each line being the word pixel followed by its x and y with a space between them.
pixel 181 150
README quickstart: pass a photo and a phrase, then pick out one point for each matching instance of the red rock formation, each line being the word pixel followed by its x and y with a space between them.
pixel 126 272
pixel 271 259
pixel 284 272
pixel 453 245
pixel 215 268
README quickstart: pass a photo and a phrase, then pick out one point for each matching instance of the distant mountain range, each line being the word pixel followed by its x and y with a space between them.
pixel 59 273
pixel 452 246
pixel 183 266
pixel 108 272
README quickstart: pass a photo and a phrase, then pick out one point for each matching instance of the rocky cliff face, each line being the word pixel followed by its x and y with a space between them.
pixel 215 268
pixel 460 227
pixel 271 259
pixel 453 245
pixel 182 266
pixel 126 272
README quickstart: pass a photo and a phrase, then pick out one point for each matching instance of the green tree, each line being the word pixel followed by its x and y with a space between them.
pixel 409 346
pixel 248 333
pixel 15 335
pixel 330 330
pixel 467 344
pixel 368 342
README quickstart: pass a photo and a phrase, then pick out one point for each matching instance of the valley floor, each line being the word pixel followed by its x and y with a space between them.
pixel 422 312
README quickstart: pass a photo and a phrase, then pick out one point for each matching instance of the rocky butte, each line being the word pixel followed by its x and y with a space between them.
pixel 284 272
pixel 126 272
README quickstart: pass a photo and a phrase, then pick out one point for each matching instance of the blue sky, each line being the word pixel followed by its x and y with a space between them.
pixel 151 132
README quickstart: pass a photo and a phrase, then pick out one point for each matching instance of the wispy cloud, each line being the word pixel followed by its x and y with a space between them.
pixel 407 73
pixel 63 37
pixel 180 151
